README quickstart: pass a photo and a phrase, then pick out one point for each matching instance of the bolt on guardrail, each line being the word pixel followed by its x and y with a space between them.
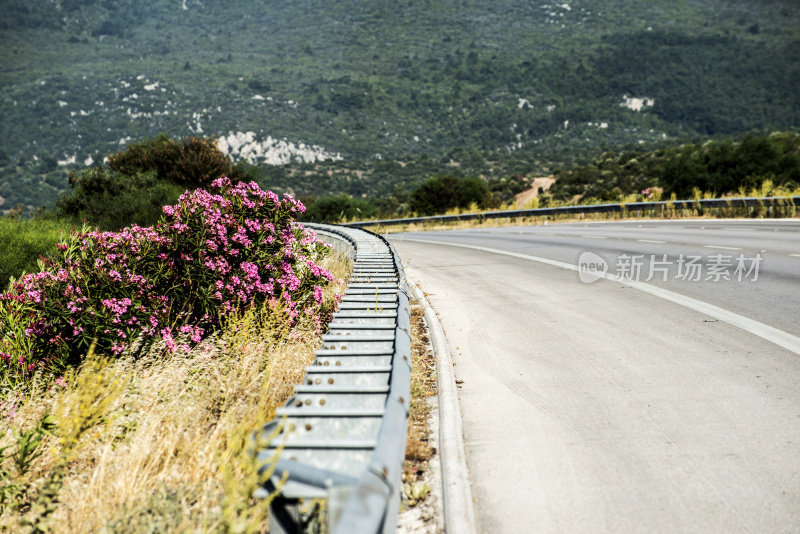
pixel 341 437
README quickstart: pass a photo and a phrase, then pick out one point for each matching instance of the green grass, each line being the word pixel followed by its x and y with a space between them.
pixel 23 241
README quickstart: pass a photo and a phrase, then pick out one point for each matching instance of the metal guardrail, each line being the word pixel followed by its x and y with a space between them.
pixel 343 432
pixel 667 205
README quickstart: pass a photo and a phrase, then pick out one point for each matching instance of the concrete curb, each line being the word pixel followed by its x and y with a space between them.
pixel 459 511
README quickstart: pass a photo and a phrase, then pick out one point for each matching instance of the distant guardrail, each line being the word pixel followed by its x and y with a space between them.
pixel 663 206
pixel 342 436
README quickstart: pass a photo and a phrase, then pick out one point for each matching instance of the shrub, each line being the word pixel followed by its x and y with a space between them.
pixel 339 208
pixel 111 200
pixel 193 162
pixel 441 193
pixel 507 188
pixel 211 254
pixel 146 176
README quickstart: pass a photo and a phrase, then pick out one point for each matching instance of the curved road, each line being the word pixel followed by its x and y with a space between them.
pixel 592 406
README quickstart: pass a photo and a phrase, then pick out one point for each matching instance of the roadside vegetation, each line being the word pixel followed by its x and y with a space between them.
pixel 718 167
pixel 23 241
pixel 209 255
pixel 758 165
pixel 159 441
pixel 138 181
pixel 135 364
pixel 667 212
pixel 416 476
pixel 131 189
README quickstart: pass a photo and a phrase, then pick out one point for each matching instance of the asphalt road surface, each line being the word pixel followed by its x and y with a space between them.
pixel 590 405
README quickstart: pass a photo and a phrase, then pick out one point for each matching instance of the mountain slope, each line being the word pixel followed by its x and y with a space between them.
pixel 363 81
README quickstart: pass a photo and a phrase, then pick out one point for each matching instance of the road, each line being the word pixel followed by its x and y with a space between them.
pixel 597 407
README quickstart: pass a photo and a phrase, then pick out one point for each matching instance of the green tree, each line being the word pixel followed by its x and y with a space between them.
pixel 441 193
pixel 192 162
pixel 343 207
pixel 112 200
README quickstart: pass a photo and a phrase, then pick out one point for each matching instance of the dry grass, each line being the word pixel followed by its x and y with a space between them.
pixel 423 387
pixel 767 189
pixel 161 443
pixel 719 213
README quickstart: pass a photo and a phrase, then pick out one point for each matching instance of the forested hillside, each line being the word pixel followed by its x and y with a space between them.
pixel 764 164
pixel 365 97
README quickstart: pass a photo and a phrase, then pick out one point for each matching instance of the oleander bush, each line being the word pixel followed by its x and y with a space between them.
pixel 156 442
pixel 211 254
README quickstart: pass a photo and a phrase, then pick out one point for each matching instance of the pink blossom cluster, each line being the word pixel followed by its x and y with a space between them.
pixel 652 192
pixel 211 254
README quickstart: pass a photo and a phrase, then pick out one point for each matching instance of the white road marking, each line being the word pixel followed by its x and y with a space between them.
pixel 795 255
pixel 650 241
pixel 594 237
pixel 770 333
pixel 721 247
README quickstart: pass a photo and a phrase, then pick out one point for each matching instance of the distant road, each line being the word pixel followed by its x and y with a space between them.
pixel 595 407
pixel 774 298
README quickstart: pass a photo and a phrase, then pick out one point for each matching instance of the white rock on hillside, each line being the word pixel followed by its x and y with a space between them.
pixel 245 146
pixel 637 104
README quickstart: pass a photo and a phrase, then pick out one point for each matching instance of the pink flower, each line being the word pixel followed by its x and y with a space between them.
pixel 116 285
pixel 221 182
pixel 169 341
pixel 318 294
